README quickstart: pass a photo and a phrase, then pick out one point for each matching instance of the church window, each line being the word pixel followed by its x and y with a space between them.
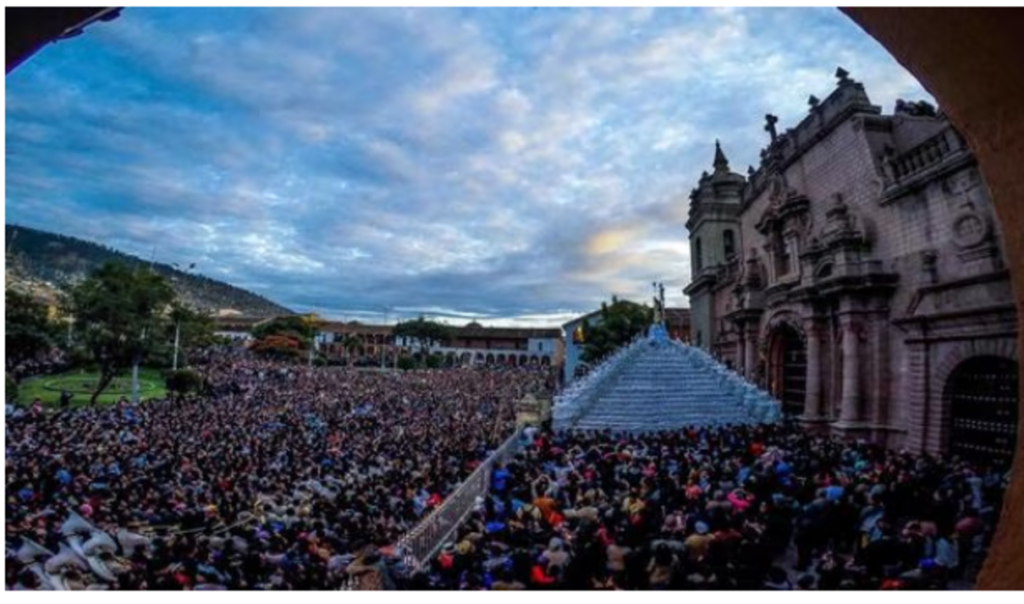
pixel 729 243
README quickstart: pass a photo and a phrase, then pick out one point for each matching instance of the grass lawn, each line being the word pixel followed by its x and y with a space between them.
pixel 81 383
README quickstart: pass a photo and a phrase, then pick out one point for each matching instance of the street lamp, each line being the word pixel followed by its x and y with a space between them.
pixel 177 322
pixel 384 338
pixel 313 344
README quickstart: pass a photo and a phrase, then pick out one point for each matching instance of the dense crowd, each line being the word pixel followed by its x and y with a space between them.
pixel 284 477
pixel 45 363
pixel 768 507
pixel 272 480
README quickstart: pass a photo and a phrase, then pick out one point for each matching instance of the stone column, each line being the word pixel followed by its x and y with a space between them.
pixel 812 400
pixel 750 352
pixel 850 402
pixel 741 357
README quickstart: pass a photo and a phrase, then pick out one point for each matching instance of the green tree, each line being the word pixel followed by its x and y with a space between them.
pixel 426 332
pixel 297 327
pixel 119 312
pixel 184 381
pixel 434 361
pixel 29 331
pixel 620 322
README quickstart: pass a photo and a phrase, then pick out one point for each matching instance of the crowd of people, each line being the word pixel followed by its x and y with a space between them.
pixel 284 477
pixel 45 363
pixel 766 507
pixel 274 479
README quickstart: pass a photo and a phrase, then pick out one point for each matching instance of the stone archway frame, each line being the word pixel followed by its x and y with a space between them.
pixel 975 90
pixel 780 318
pixel 937 382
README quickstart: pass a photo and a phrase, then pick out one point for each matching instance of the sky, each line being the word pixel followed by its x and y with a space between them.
pixel 511 166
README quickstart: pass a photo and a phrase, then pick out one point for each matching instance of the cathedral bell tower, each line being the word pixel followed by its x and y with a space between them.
pixel 713 225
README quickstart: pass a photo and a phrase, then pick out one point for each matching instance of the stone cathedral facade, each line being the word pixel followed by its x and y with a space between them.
pixel 857 273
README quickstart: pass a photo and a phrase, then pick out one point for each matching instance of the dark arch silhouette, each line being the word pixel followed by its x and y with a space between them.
pixel 968 59
pixel 965 58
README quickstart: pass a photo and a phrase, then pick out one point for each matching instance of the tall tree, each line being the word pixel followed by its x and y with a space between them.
pixel 620 322
pixel 296 327
pixel 288 336
pixel 28 329
pixel 118 312
pixel 427 333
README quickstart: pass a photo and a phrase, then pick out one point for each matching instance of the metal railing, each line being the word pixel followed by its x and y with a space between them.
pixel 427 537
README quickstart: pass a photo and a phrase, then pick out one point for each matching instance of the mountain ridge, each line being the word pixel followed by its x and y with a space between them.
pixel 45 261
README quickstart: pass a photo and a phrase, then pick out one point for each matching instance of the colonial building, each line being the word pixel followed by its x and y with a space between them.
pixel 858 274
pixel 475 344
pixel 471 344
pixel 357 342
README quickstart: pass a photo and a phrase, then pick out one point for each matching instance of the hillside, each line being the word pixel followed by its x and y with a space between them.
pixel 39 260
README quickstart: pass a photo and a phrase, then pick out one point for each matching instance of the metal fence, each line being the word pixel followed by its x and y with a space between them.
pixel 423 541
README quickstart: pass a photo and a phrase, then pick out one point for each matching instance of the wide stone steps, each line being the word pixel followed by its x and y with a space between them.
pixel 659 385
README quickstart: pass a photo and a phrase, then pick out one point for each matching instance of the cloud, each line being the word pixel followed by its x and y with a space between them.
pixel 517 165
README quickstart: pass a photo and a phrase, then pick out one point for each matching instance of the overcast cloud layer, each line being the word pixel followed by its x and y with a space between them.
pixel 509 165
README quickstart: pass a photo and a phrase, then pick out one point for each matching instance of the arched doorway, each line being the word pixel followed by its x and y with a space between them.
pixel 787 369
pixel 982 397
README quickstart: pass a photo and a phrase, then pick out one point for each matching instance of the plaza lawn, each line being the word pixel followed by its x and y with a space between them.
pixel 48 388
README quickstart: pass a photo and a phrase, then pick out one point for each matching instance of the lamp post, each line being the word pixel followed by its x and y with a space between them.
pixel 177 322
pixel 384 338
pixel 314 345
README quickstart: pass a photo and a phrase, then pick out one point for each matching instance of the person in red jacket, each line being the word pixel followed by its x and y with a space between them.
pixel 539 576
